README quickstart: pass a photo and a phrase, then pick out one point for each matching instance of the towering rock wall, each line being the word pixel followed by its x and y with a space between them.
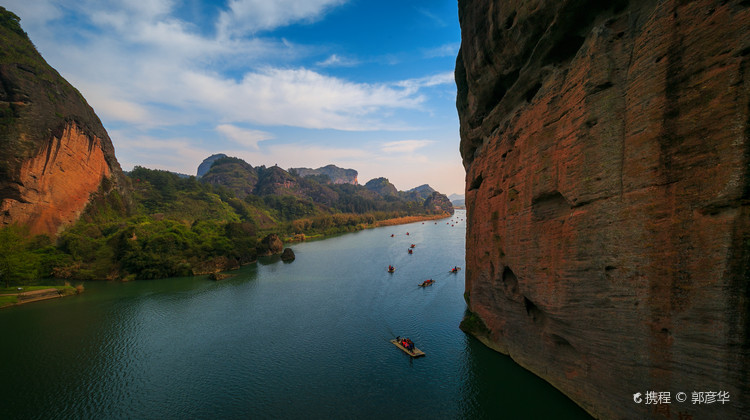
pixel 607 153
pixel 54 151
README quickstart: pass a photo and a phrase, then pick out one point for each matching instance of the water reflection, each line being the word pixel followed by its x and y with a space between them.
pixel 302 340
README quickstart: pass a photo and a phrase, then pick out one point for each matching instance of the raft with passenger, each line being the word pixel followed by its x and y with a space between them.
pixel 391 269
pixel 407 346
pixel 426 283
pixel 454 270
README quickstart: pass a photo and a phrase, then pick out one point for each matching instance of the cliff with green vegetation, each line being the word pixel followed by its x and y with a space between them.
pixel 68 211
pixel 55 155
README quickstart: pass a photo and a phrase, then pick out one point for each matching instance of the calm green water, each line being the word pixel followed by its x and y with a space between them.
pixel 307 339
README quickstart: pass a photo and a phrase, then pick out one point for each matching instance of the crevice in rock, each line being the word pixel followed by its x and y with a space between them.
pixel 510 282
pixel 510 20
pixel 549 205
pixel 532 92
pixel 536 314
pixel 500 87
pixel 602 86
pixel 476 183
pixel 560 341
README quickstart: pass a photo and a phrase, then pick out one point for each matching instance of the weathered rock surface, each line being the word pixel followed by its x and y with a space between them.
pixel 288 255
pixel 54 152
pixel 205 166
pixel 608 177
pixel 270 245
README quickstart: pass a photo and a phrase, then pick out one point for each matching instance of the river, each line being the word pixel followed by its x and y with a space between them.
pixel 307 339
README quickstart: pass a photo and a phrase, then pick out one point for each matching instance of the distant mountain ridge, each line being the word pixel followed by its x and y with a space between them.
pixel 458 200
pixel 334 173
pixel 309 191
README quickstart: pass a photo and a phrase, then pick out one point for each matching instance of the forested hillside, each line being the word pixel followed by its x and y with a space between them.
pixel 180 226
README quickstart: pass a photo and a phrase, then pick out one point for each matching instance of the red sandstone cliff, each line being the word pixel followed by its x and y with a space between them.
pixel 54 152
pixel 607 153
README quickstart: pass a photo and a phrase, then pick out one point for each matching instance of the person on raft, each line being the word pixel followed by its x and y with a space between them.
pixel 408 344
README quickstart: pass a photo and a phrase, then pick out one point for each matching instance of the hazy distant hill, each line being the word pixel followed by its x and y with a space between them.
pixel 458 200
pixel 334 173
pixel 423 191
pixel 293 195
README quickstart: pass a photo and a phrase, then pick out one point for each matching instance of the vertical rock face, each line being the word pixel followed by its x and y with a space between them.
pixel 53 187
pixel 54 152
pixel 607 153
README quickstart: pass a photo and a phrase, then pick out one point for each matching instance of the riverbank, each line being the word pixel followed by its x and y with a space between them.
pixel 12 296
pixel 410 219
pixel 301 237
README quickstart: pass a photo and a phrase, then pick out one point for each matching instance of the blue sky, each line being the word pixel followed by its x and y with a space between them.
pixel 362 84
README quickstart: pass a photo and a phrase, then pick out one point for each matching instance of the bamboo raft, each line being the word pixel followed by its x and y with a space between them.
pixel 416 353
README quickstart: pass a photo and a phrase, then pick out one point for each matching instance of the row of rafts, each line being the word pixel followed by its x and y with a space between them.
pixel 406 344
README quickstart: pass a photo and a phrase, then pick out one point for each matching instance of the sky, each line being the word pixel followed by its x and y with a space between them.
pixel 361 84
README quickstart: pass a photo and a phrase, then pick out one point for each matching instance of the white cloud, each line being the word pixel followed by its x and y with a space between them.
pixel 245 137
pixel 299 98
pixel 432 16
pixel 447 50
pixel 337 61
pixel 251 16
pixel 428 81
pixel 405 146
pixel 173 154
pixel 142 66
pixel 33 13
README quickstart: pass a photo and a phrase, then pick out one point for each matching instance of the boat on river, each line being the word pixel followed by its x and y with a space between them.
pixel 413 353
pixel 426 283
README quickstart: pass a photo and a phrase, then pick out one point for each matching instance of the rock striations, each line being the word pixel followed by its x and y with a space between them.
pixel 607 153
pixel 54 152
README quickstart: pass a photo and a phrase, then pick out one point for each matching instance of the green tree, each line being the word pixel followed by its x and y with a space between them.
pixel 18 264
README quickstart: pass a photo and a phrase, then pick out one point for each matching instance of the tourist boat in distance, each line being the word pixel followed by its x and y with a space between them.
pixel 412 246
pixel 454 270
pixel 391 269
pixel 413 353
pixel 426 283
pixel 410 251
